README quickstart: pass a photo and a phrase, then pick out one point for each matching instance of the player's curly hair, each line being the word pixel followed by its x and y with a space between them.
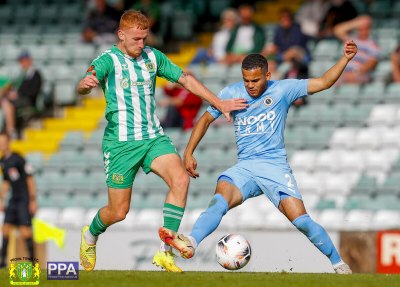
pixel 134 19
pixel 254 61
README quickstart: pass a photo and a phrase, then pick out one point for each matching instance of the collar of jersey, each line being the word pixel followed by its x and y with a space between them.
pixel 117 50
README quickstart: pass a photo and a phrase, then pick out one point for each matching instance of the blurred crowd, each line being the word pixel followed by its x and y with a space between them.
pixel 236 35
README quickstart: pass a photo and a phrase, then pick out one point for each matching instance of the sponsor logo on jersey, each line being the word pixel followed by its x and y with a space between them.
pixel 150 67
pixel 256 124
pixel 268 101
pixel 125 83
pixel 124 66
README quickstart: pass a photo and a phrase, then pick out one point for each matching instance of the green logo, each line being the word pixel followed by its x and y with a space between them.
pixel 150 67
pixel 23 273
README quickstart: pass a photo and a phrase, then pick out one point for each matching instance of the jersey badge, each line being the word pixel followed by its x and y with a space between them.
pixel 150 67
pixel 268 101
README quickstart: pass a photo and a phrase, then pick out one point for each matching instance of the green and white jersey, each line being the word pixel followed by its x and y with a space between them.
pixel 128 84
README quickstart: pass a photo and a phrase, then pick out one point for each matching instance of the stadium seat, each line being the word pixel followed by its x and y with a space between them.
pixel 383 115
pixel 357 220
pixel 149 218
pixel 48 214
pixel 303 160
pixel 343 138
pixel 328 160
pixel 386 220
pixel 365 185
pixel 332 219
pixel 71 217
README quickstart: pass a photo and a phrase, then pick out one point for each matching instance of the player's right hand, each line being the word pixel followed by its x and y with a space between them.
pixel 191 164
pixel 90 81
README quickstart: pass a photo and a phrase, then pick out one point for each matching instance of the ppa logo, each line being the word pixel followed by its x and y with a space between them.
pixel 62 271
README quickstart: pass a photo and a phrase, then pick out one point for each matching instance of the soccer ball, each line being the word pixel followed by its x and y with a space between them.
pixel 233 251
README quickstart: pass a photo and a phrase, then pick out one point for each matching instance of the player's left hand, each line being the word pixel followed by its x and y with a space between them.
pixel 190 164
pixel 350 49
pixel 32 207
pixel 232 105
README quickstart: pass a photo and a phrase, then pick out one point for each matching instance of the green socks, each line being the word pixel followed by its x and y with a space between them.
pixel 172 216
pixel 97 227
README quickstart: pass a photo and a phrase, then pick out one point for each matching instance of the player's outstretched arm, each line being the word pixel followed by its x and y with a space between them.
pixel 198 132
pixel 88 83
pixel 332 75
pixel 197 88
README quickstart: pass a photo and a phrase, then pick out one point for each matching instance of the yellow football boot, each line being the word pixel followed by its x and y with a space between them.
pixel 165 260
pixel 87 253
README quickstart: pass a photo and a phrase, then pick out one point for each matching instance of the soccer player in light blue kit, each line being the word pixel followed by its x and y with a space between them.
pixel 262 161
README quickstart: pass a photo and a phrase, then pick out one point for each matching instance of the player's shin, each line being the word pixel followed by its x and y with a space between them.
pixel 210 218
pixel 318 236
pixel 96 228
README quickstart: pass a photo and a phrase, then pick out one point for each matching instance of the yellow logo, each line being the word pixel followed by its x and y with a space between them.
pixel 117 178
pixel 23 273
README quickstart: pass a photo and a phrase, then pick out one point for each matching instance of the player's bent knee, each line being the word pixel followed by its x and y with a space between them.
pixel 180 183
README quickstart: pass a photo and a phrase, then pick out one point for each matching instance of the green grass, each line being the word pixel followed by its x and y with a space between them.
pixel 216 279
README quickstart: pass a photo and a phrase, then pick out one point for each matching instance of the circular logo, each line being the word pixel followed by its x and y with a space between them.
pixel 268 101
pixel 124 83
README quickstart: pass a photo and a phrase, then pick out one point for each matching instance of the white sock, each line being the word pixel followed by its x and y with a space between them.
pixel 90 238
pixel 164 247
pixel 194 243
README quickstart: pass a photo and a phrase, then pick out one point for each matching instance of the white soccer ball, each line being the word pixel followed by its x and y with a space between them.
pixel 233 251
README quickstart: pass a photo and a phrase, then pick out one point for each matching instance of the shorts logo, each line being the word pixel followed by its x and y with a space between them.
pixel 268 101
pixel 150 67
pixel 24 273
pixel 117 178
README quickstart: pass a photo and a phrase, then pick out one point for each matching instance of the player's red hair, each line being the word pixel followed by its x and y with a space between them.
pixel 134 19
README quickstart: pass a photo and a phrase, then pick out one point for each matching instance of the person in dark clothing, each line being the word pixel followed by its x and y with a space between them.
pixel 101 24
pixel 340 11
pixel 22 204
pixel 25 90
pixel 290 44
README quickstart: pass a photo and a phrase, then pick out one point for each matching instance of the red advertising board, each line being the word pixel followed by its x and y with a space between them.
pixel 388 255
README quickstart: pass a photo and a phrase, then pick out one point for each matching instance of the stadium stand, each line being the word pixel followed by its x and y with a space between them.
pixel 343 146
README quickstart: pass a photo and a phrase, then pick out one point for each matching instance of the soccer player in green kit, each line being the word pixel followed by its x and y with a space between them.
pixel 133 137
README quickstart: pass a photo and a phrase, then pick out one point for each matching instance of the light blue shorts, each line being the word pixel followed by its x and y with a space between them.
pixel 255 177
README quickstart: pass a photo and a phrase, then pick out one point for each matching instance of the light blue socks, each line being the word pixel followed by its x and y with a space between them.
pixel 209 219
pixel 318 236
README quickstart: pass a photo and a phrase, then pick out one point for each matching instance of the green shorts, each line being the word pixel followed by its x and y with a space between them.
pixel 122 160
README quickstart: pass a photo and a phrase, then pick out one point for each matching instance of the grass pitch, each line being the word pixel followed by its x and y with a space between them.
pixel 215 279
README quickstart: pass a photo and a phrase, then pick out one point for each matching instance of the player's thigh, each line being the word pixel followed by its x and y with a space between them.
pixel 122 161
pixel 237 184
pixel 277 183
pixel 6 229
pixel 163 159
pixel 292 207
pixel 26 231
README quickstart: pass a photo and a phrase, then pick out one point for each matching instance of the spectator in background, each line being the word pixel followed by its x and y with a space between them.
pixel 247 37
pixel 290 44
pixel 339 11
pixel 26 88
pixel 360 69
pixel 182 107
pixel 310 16
pixel 152 10
pixel 395 59
pixel 217 51
pixel 7 107
pixel 101 23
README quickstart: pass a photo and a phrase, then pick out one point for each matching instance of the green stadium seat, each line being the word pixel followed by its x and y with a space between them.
pixel 359 201
pixel 356 116
pixel 365 185
pixel 326 50
pixel 392 94
pixel 391 184
pixel 65 93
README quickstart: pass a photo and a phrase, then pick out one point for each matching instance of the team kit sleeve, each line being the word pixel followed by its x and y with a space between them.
pixel 102 65
pixel 165 68
pixel 295 89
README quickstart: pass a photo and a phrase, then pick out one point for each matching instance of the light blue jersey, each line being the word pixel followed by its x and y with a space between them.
pixel 262 166
pixel 259 128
